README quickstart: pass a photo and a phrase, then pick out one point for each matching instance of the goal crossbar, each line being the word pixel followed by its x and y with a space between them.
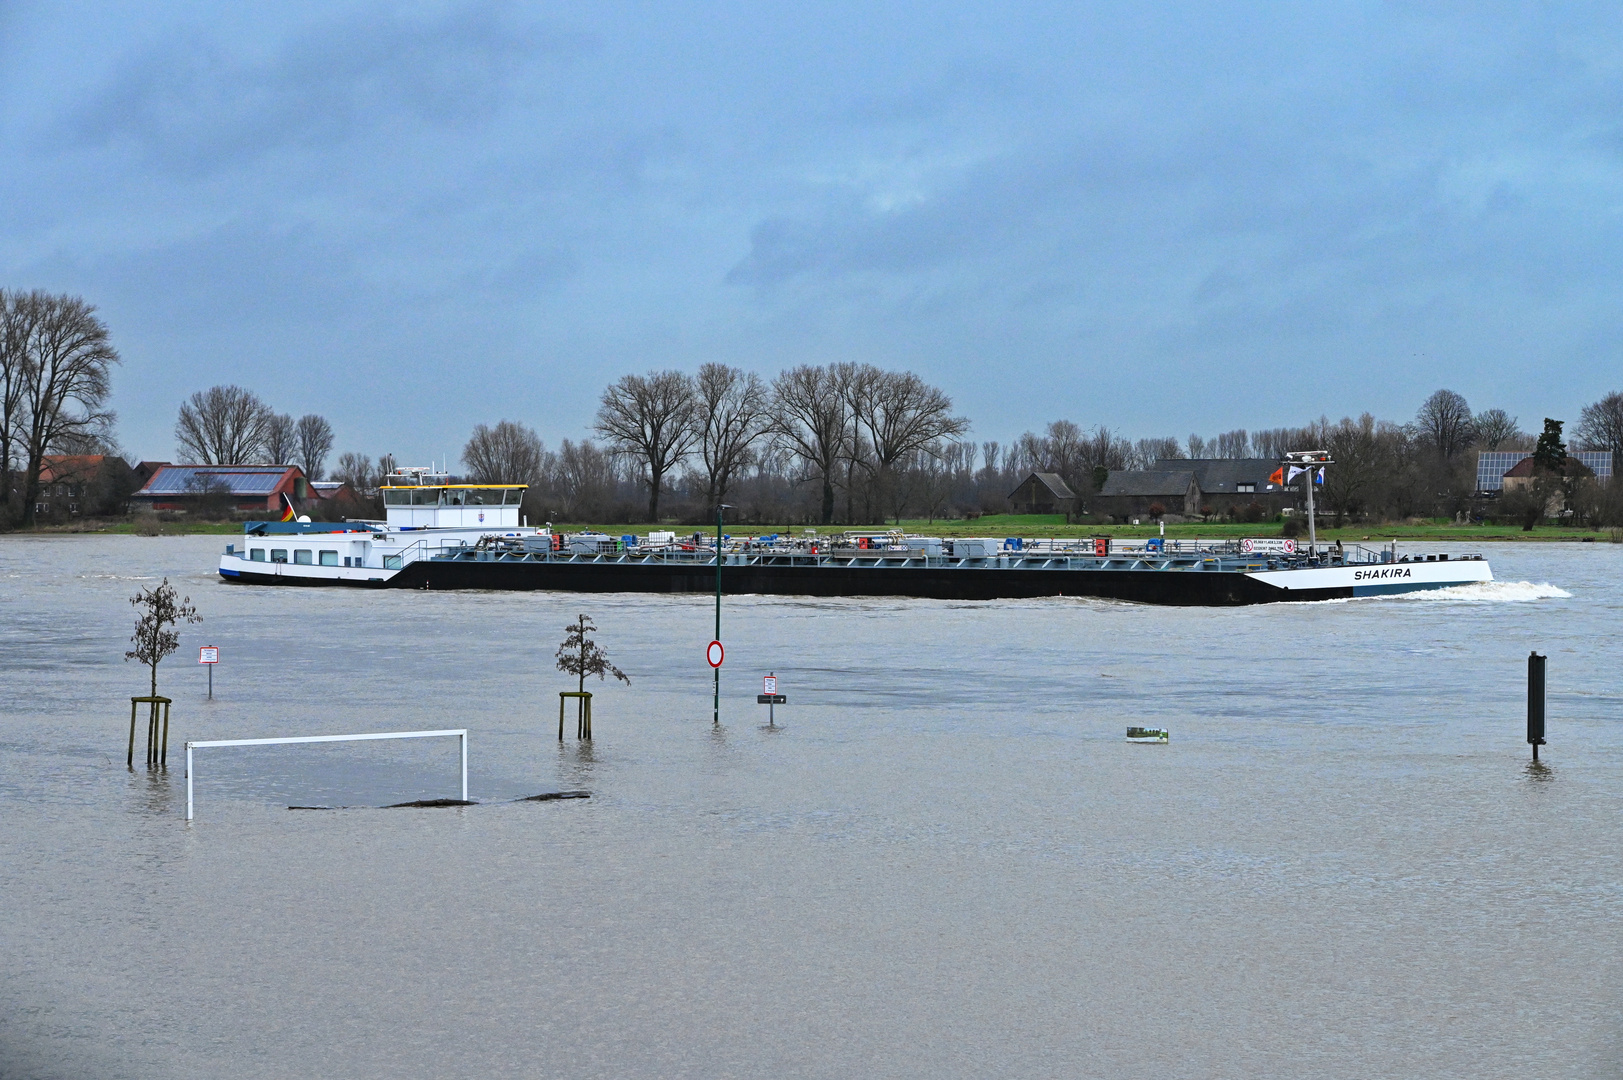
pixel 460 733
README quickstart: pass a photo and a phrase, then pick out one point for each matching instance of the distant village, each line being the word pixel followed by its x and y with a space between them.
pixel 838 444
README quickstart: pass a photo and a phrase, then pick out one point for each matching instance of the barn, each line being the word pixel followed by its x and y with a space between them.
pixel 1043 493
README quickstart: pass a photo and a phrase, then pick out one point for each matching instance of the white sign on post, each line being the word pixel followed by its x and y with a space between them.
pixel 208 654
pixel 769 684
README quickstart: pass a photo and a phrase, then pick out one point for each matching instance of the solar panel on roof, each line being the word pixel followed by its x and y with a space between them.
pixel 244 480
pixel 1492 465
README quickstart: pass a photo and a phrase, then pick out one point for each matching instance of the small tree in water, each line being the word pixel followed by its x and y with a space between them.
pixel 580 656
pixel 155 635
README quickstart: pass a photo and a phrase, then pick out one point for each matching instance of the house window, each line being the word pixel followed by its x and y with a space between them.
pixel 329 558
pixel 302 556
pixel 278 554
pixel 256 555
pixel 1245 487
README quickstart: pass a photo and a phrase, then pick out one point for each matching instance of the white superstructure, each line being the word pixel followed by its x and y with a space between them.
pixel 425 514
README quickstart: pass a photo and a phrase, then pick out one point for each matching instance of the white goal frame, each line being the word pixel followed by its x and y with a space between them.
pixel 460 733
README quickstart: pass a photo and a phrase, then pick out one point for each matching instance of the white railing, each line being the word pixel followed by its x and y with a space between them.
pixel 460 733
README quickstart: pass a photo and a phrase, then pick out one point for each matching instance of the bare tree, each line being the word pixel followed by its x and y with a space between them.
pixel 900 415
pixel 1445 420
pixel 1233 444
pixel 155 636
pixel 1103 449
pixel 1148 451
pixel 1197 446
pixel 1057 450
pixel 66 379
pixel 732 417
pixel 281 439
pixel 811 416
pixel 650 420
pixel 585 479
pixel 315 443
pixel 1277 442
pixel 17 314
pixel 1600 426
pixel 1496 428
pixel 356 470
pixel 1356 448
pixel 508 453
pixel 223 425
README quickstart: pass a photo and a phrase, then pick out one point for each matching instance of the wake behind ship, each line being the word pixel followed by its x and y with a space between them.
pixel 444 535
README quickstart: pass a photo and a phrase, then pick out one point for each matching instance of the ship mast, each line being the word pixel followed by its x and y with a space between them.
pixel 1310 462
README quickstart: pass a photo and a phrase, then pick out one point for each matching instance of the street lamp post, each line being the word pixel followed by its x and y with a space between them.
pixel 715 715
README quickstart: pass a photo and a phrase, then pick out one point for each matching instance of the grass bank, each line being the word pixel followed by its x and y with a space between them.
pixel 1041 525
pixel 137 527
pixel 1029 525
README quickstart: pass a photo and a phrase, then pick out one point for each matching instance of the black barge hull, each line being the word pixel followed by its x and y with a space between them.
pixel 1190 588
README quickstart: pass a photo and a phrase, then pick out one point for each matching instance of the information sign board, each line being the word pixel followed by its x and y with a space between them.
pixel 208 654
pixel 769 684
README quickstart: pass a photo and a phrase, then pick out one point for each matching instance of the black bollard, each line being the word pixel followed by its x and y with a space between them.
pixel 1535 701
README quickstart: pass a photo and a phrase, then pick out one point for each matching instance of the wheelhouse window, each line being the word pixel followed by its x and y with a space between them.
pixel 329 558
pixel 256 554
pixel 278 554
pixel 391 562
pixel 301 556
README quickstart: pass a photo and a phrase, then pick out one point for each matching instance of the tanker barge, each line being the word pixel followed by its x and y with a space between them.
pixel 443 535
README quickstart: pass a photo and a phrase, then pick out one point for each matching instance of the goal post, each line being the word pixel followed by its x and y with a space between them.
pixel 460 733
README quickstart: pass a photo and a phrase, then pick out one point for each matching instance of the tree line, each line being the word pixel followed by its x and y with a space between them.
pixel 858 445
pixel 844 442
pixel 227 425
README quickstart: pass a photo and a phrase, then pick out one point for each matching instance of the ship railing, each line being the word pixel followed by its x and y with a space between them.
pixel 423 549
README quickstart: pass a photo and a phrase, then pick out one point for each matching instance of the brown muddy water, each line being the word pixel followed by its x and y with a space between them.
pixel 945 861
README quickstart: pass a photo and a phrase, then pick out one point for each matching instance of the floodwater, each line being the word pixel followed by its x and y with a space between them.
pixel 945 860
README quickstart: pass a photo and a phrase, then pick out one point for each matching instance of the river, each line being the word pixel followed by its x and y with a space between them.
pixel 944 861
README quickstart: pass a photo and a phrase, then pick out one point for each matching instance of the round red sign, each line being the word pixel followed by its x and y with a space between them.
pixel 714 653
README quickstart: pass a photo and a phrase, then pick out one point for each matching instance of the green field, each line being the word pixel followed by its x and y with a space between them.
pixel 1053 525
pixel 1025 525
pixel 133 527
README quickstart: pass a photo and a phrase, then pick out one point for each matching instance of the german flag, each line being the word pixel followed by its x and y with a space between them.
pixel 288 513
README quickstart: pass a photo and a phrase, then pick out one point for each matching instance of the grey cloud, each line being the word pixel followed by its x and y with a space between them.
pixel 193 107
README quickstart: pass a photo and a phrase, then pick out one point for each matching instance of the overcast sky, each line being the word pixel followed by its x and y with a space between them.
pixel 1165 218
